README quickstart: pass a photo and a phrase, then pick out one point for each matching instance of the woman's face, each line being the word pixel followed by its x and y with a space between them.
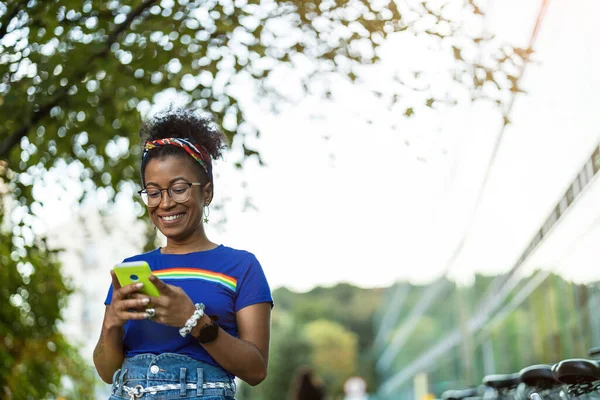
pixel 177 221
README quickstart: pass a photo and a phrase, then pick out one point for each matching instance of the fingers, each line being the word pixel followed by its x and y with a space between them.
pixel 132 308
pixel 155 301
pixel 129 304
pixel 138 296
pixel 162 287
pixel 152 301
pixel 128 290
pixel 121 315
pixel 134 315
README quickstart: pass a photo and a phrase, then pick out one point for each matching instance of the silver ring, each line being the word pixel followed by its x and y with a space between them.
pixel 151 312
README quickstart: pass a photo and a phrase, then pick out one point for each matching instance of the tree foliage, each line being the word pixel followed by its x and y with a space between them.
pixel 290 351
pixel 334 353
pixel 35 357
pixel 76 74
pixel 327 339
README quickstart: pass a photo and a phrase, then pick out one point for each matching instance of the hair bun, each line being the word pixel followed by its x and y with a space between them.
pixel 186 123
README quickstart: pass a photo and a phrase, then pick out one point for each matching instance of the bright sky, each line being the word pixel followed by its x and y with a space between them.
pixel 377 213
pixel 364 207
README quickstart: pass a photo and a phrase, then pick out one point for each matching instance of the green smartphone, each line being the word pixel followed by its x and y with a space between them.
pixel 134 272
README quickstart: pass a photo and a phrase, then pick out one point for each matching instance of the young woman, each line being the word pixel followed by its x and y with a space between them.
pixel 211 321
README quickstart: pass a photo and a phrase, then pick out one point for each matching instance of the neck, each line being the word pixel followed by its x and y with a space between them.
pixel 198 241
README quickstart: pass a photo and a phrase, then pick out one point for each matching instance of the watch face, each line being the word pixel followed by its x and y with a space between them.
pixel 208 333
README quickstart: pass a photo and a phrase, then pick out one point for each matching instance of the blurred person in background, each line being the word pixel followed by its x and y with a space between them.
pixel 211 322
pixel 307 386
pixel 355 388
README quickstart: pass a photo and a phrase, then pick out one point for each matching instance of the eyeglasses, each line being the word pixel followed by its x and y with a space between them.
pixel 179 192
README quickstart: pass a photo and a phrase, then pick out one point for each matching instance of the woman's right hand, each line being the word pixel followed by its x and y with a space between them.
pixel 126 304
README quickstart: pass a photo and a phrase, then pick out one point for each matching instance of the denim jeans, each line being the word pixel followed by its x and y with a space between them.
pixel 170 376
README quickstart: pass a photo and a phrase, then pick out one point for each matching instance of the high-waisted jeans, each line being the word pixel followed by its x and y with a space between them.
pixel 170 376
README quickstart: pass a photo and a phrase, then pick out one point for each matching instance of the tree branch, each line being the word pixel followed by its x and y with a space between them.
pixel 14 138
pixel 134 14
pixel 10 14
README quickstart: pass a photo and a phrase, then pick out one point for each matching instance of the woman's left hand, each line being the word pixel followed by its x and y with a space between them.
pixel 174 307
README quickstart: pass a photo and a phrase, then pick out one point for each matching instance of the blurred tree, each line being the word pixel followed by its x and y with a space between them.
pixel 334 352
pixel 292 346
pixel 289 350
pixel 347 305
pixel 77 74
pixel 36 360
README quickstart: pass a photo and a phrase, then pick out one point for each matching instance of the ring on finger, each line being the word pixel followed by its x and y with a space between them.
pixel 151 312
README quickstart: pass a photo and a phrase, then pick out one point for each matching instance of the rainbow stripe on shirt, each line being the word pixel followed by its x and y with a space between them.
pixel 195 273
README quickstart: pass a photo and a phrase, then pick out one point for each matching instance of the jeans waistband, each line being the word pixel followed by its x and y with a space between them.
pixel 176 374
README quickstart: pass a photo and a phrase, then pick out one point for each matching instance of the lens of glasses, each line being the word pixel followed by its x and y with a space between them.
pixel 144 196
pixel 180 192
pixel 152 197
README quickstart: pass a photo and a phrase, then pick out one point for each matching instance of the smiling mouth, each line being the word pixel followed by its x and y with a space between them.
pixel 172 217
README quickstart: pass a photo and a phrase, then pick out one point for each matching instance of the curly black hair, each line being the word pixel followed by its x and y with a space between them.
pixel 184 123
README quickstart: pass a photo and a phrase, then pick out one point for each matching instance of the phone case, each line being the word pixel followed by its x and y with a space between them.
pixel 134 272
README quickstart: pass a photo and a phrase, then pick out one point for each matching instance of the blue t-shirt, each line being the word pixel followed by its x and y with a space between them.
pixel 225 280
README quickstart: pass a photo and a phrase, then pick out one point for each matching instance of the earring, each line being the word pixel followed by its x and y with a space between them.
pixel 206 212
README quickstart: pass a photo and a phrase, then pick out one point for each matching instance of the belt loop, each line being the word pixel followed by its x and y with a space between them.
pixel 114 380
pixel 121 376
pixel 200 383
pixel 182 382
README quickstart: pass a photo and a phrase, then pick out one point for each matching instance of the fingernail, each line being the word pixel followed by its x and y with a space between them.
pixel 146 315
pixel 139 285
pixel 144 300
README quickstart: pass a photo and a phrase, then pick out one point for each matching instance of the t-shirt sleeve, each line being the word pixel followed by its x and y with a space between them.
pixel 253 287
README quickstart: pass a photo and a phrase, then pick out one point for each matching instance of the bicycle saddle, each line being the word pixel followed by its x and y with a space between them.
pixel 594 352
pixel 576 370
pixel 502 381
pixel 458 394
pixel 540 374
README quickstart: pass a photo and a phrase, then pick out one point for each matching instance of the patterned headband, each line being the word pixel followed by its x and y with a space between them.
pixel 198 153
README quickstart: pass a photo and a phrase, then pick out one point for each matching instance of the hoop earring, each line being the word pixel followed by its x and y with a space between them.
pixel 206 212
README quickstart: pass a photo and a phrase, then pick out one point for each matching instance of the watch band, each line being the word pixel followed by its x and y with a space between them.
pixel 208 332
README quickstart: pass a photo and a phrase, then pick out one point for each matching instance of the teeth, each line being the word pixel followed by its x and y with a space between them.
pixel 172 217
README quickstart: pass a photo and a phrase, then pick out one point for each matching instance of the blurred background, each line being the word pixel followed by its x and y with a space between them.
pixel 417 178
